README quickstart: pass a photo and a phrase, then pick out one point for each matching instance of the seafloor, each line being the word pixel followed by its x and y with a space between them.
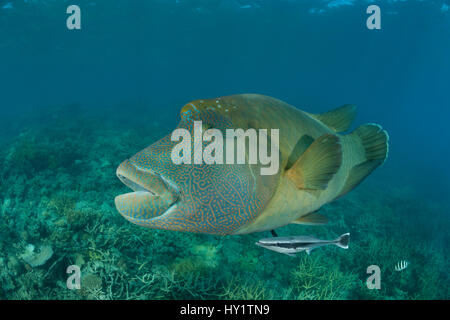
pixel 58 183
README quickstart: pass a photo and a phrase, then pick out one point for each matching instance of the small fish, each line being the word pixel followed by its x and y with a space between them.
pixel 292 245
pixel 401 265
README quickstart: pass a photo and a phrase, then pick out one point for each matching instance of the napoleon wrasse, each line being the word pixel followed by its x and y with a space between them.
pixel 317 166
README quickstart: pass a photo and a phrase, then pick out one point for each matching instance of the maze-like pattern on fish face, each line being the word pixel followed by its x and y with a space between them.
pixel 215 199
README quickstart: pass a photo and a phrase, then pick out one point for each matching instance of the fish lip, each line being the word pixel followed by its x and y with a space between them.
pixel 169 186
pixel 136 187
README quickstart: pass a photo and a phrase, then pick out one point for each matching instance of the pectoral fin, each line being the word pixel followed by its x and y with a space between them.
pixel 318 164
pixel 300 147
pixel 312 219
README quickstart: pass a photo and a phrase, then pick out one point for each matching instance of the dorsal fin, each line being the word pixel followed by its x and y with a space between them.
pixel 338 119
pixel 311 219
pixel 318 164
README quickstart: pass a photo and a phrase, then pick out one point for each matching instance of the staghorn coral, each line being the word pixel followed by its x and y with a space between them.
pixel 238 289
pixel 314 279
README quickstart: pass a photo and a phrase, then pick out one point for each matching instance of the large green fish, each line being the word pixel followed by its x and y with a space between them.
pixel 316 166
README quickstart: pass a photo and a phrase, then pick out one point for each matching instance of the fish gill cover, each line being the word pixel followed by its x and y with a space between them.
pixel 75 103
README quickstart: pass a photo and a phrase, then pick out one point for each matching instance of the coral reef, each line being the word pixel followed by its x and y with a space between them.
pixel 36 259
pixel 57 188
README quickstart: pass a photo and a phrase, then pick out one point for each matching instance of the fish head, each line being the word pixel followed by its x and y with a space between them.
pixel 193 197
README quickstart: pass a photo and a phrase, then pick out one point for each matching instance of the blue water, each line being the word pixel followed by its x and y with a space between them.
pixel 137 62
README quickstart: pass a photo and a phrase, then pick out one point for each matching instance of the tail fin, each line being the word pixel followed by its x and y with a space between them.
pixel 375 142
pixel 343 241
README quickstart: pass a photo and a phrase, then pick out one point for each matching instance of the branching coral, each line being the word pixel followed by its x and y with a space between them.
pixel 314 279
pixel 64 198
pixel 238 289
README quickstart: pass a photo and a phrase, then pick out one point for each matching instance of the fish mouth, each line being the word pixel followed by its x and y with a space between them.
pixel 153 194
pixel 146 180
pixel 136 187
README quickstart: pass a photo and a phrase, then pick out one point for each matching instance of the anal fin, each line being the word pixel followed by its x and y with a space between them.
pixel 358 173
pixel 312 219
